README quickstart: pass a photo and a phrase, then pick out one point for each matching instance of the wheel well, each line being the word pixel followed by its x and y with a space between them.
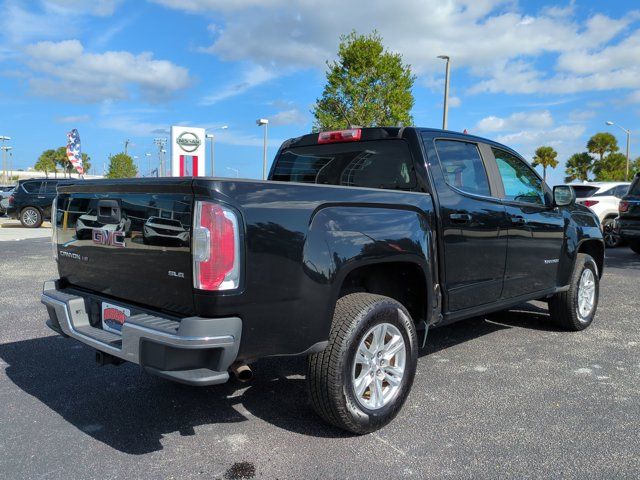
pixel 595 249
pixel 402 281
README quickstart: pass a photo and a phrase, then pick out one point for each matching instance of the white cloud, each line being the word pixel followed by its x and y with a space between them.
pixel 582 115
pixel 492 38
pixel 535 119
pixel 74 119
pixel 454 102
pixel 65 70
pixel 292 116
pixel 250 78
pixel 74 7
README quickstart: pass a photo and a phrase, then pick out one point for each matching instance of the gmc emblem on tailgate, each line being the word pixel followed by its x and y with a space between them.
pixel 108 237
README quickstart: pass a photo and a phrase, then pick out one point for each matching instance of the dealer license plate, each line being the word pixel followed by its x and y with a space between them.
pixel 113 317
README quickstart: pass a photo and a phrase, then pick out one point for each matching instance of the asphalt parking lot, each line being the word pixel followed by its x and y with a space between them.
pixel 504 396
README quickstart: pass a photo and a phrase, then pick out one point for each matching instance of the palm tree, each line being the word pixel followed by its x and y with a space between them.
pixel 546 157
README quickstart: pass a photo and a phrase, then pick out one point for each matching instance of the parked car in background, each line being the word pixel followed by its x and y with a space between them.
pixel 31 200
pixel 628 222
pixel 603 198
pixel 165 231
pixel 5 193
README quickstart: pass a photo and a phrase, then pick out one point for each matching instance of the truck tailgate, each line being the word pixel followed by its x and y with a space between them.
pixel 128 240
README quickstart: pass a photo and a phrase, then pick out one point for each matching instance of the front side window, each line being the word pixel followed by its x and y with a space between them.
pixel 50 187
pixel 521 184
pixel 463 167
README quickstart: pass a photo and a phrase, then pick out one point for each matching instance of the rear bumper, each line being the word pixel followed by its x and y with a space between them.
pixel 628 229
pixel 195 350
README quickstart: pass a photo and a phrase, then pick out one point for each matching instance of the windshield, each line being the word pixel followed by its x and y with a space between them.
pixel 376 164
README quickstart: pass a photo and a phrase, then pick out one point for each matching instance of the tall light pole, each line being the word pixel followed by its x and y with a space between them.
pixel 445 112
pixel 5 149
pixel 628 132
pixel 237 172
pixel 211 138
pixel 264 122
pixel 160 143
pixel 3 139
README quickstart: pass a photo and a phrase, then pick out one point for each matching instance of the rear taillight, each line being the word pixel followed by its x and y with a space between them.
pixel 54 230
pixel 623 207
pixel 590 203
pixel 216 248
pixel 11 200
pixel 350 135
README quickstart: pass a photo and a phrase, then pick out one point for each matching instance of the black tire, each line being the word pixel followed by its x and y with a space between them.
pixel 329 373
pixel 635 246
pixel 31 217
pixel 611 237
pixel 563 306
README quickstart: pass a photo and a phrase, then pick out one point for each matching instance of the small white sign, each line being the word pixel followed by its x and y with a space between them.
pixel 188 151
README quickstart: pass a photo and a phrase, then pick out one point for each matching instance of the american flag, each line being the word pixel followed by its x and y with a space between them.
pixel 73 150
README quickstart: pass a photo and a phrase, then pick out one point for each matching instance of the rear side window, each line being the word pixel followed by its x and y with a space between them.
pixel 463 167
pixel 377 164
pixel 521 184
pixel 32 187
pixel 634 189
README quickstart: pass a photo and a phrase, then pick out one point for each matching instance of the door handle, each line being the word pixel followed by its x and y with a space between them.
pixel 518 220
pixel 460 217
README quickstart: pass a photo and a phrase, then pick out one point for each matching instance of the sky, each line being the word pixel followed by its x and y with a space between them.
pixel 524 73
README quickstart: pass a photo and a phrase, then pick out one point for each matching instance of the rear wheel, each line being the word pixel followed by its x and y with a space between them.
pixel 30 217
pixel 635 246
pixel 611 237
pixel 574 309
pixel 362 379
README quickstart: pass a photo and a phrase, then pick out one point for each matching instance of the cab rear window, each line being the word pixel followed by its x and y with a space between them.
pixel 383 164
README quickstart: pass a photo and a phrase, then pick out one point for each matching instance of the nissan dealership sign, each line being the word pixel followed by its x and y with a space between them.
pixel 187 151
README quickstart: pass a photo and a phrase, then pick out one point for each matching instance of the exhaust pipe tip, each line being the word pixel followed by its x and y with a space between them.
pixel 242 372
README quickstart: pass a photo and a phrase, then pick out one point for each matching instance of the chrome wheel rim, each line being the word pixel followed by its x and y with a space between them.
pixel 29 217
pixel 379 366
pixel 586 294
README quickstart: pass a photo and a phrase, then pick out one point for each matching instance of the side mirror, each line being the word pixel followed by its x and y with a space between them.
pixel 563 196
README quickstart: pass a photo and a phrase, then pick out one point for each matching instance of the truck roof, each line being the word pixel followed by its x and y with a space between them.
pixel 384 133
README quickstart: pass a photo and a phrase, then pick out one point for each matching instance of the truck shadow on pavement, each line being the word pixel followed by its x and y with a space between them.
pixel 132 412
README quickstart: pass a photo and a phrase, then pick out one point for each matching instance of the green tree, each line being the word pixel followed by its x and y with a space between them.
pixel 612 168
pixel 601 144
pixel 578 167
pixel 121 166
pixel 545 157
pixel 366 86
pixel 60 156
pixel 46 162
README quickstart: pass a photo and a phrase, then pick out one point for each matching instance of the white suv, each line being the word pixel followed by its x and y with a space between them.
pixel 603 198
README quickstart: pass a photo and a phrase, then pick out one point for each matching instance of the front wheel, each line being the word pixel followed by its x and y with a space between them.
pixel 574 309
pixel 362 379
pixel 30 217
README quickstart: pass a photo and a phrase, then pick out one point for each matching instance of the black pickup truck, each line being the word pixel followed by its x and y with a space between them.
pixel 359 242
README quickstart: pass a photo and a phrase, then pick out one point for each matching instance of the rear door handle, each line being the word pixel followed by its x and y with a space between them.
pixel 518 220
pixel 460 217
